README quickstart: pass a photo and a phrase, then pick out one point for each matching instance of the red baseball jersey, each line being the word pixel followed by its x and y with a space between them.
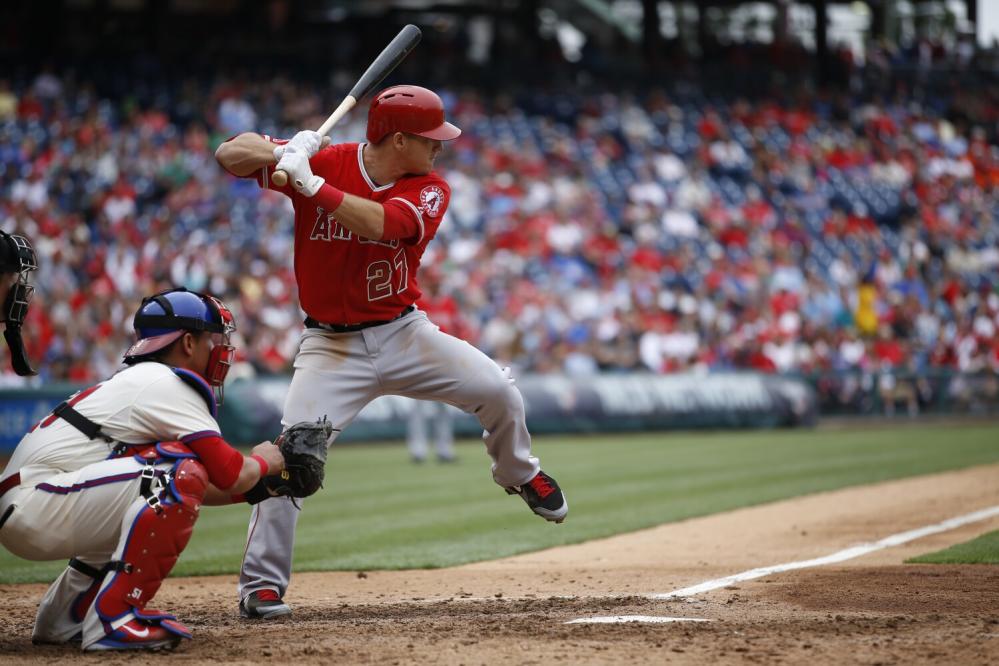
pixel 343 278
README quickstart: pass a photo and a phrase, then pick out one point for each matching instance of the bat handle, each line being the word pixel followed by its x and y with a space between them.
pixel 279 178
pixel 346 105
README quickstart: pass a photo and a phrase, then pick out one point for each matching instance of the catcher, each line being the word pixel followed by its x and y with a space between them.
pixel 114 477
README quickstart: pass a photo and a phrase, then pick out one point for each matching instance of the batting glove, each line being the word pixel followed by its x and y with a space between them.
pixel 295 163
pixel 306 141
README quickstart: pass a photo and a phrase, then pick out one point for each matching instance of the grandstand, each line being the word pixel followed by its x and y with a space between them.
pixel 737 262
pixel 841 229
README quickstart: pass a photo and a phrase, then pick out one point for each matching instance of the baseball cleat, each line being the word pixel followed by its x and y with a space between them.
pixel 263 605
pixel 135 635
pixel 543 496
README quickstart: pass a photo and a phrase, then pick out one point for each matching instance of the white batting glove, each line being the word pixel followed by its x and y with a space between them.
pixel 307 141
pixel 295 163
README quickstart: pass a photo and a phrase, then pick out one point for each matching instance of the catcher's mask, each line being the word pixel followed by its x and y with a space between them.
pixel 164 317
pixel 17 256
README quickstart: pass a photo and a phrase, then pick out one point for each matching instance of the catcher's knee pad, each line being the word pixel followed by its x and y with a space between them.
pixel 189 484
pixel 155 533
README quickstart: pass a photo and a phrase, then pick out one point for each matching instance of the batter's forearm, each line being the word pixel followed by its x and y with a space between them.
pixel 245 154
pixel 361 216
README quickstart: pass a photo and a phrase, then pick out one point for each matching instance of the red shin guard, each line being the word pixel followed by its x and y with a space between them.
pixel 155 539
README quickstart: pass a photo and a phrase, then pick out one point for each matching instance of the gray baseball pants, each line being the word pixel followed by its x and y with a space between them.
pixel 337 374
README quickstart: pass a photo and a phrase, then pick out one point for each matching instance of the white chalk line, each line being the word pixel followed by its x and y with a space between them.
pixel 840 556
pixel 650 619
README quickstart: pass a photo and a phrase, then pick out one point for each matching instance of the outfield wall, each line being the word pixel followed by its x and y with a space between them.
pixel 555 404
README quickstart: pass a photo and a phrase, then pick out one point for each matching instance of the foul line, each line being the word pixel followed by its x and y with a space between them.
pixel 841 556
pixel 847 554
pixel 619 619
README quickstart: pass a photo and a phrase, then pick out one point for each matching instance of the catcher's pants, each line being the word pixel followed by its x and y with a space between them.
pixel 337 374
pixel 72 514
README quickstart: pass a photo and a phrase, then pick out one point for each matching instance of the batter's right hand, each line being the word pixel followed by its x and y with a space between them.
pixel 272 454
pixel 307 141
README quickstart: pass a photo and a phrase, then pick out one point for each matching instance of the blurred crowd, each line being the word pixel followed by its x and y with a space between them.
pixel 586 233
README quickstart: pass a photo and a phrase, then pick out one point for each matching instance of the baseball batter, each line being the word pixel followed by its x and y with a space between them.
pixel 364 213
pixel 115 476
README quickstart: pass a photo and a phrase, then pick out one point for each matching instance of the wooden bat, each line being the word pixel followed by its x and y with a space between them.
pixel 387 60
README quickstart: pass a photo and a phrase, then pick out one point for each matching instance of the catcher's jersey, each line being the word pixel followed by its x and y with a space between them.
pixel 346 279
pixel 144 403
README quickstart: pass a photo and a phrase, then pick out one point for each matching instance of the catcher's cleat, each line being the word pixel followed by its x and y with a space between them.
pixel 263 605
pixel 544 497
pixel 135 635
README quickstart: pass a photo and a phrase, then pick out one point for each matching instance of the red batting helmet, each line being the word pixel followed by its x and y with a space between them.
pixel 409 109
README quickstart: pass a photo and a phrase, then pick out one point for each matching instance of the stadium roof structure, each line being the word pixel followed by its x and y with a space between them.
pixel 493 34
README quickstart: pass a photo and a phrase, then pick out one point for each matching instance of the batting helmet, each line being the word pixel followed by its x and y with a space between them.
pixel 165 317
pixel 409 109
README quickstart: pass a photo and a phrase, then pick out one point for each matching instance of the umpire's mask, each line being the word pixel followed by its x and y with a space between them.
pixel 16 257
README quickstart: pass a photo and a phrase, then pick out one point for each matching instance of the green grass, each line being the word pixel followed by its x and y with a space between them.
pixel 983 550
pixel 378 511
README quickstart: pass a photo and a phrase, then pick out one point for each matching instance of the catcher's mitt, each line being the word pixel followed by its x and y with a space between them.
pixel 304 447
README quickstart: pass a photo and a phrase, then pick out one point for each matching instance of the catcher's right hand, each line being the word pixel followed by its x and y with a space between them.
pixel 304 446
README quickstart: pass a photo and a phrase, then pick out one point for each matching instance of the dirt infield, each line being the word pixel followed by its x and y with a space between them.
pixel 870 610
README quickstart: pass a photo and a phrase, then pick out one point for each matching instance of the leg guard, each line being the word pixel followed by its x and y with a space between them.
pixel 154 533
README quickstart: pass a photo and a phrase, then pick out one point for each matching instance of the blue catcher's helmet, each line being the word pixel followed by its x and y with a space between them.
pixel 165 317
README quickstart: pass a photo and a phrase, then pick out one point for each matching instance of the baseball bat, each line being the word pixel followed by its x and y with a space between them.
pixel 387 60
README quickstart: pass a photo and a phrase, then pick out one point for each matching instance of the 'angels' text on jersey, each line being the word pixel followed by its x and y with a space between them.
pixel 326 228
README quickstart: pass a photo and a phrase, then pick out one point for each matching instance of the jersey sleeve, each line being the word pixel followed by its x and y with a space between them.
pixel 222 462
pixel 416 208
pixel 170 410
pixel 263 175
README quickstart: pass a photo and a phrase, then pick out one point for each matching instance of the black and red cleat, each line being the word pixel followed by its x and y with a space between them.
pixel 543 496
pixel 263 605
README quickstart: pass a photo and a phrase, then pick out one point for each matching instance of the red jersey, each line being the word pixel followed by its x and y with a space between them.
pixel 346 279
